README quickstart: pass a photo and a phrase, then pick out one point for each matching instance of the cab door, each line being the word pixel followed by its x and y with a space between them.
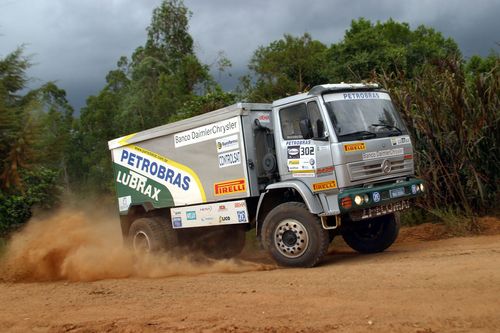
pixel 306 159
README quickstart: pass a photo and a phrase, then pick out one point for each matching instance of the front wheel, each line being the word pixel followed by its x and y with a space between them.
pixel 373 235
pixel 293 236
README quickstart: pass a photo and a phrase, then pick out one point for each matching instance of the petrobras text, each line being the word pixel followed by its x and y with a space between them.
pixel 155 169
pixel 347 96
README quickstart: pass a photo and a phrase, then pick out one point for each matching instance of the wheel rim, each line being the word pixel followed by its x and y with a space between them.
pixel 291 238
pixel 141 242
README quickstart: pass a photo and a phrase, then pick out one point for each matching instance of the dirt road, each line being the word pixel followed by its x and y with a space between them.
pixel 448 285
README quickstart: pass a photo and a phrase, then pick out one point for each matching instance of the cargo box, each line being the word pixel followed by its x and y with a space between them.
pixel 209 158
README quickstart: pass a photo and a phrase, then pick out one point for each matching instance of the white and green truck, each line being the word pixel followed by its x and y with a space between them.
pixel 336 160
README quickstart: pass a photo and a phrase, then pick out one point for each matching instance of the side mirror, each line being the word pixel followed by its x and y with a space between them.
pixel 306 128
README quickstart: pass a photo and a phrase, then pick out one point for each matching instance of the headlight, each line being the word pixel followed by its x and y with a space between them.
pixel 358 200
pixel 366 198
pixel 421 187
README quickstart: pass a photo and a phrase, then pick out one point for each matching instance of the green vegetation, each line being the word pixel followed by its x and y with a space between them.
pixel 450 105
pixel 454 119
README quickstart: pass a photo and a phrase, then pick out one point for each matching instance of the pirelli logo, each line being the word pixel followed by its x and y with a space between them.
pixel 230 187
pixel 324 186
pixel 349 147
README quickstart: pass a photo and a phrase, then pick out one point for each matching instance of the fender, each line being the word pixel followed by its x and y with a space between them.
pixel 312 202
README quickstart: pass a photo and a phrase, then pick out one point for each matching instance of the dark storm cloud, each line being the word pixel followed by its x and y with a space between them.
pixel 77 42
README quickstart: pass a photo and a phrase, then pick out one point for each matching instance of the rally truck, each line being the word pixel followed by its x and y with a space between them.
pixel 336 160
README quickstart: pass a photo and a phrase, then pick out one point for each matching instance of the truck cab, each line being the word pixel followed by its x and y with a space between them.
pixel 346 153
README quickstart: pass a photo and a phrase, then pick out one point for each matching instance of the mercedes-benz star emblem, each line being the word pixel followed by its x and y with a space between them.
pixel 386 166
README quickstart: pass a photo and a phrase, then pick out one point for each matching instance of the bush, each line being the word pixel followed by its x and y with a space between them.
pixel 40 190
pixel 454 121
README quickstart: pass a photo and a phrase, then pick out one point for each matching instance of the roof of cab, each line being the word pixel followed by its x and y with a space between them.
pixel 324 88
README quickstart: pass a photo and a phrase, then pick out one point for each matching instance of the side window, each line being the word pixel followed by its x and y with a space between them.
pixel 317 123
pixel 290 118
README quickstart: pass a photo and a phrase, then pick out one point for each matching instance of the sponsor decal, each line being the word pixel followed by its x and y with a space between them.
pixel 298 142
pixel 230 187
pixel 384 209
pixel 323 186
pixel 242 216
pixel 350 147
pixel 303 173
pixel 383 153
pixel 227 143
pixel 207 132
pixel 301 157
pixel 328 169
pixel 191 215
pixel 400 140
pixel 240 204
pixel 293 152
pixel 124 203
pixel 214 214
pixel 229 159
pixel 362 95
pixel 162 180
pixel 138 183
pixel 264 118
pixel 358 95
pixel 154 169
pixel 224 219
pixel 177 222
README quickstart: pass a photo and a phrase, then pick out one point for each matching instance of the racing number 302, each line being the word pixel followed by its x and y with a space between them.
pixel 306 151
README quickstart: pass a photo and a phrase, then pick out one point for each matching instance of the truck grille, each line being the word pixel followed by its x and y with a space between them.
pixel 374 169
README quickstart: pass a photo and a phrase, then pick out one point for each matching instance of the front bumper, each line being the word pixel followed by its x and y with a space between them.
pixel 383 195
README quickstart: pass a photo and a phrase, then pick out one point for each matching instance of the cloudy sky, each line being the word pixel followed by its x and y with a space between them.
pixel 75 42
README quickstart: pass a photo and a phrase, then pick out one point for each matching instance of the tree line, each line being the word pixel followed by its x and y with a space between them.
pixel 451 106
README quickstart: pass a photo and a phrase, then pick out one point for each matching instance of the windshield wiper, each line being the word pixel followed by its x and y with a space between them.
pixel 389 127
pixel 362 134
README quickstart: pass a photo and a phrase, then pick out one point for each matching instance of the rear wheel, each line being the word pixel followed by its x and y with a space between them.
pixel 151 234
pixel 373 235
pixel 293 236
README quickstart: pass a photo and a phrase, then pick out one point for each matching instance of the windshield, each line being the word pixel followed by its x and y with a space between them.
pixel 363 115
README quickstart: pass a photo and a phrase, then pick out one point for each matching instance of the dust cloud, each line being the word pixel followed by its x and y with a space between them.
pixel 79 246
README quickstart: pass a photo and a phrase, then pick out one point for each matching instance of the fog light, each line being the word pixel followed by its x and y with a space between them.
pixel 358 200
pixel 421 187
pixel 366 198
